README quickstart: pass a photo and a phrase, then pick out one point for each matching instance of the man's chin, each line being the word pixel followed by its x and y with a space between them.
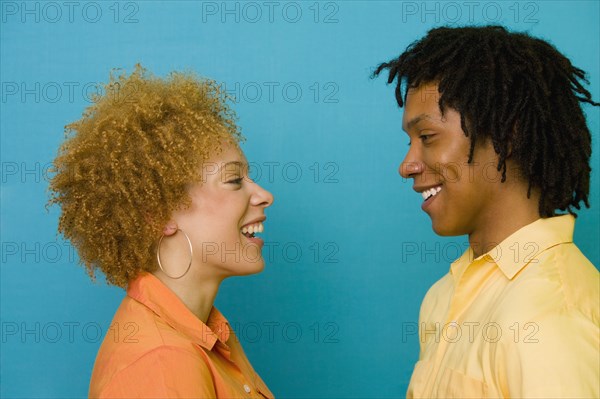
pixel 445 229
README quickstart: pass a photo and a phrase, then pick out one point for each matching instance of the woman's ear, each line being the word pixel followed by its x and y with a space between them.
pixel 170 228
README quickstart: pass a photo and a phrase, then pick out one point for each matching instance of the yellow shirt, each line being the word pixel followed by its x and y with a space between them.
pixel 520 321
pixel 157 348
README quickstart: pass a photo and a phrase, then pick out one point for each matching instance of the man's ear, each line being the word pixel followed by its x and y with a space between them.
pixel 514 133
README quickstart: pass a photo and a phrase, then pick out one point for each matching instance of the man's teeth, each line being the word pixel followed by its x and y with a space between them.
pixel 432 191
pixel 253 228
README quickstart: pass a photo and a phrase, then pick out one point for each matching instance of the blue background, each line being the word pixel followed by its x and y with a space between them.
pixel 351 253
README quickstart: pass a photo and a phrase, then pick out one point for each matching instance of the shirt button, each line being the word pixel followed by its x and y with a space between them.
pixel 246 388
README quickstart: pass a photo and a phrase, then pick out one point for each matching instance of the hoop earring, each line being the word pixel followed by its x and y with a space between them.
pixel 158 255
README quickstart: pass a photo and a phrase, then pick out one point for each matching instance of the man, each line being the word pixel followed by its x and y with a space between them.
pixel 498 144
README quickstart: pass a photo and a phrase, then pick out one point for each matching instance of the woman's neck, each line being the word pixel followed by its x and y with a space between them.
pixel 198 294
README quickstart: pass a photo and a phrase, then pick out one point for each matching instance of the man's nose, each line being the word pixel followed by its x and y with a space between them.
pixel 411 165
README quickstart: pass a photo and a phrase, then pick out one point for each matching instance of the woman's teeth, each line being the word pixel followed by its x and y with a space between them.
pixel 253 228
pixel 431 192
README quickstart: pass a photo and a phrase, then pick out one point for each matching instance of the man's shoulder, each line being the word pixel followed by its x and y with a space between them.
pixel 562 270
pixel 443 286
pixel 438 295
pixel 560 279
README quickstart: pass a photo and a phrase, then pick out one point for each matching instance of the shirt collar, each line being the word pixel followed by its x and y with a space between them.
pixel 518 249
pixel 148 290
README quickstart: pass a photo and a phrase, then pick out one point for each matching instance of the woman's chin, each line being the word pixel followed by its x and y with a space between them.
pixel 246 268
pixel 257 267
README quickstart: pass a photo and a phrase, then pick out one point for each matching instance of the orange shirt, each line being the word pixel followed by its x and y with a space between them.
pixel 156 347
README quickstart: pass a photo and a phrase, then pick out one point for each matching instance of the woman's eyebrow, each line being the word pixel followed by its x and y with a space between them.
pixel 237 163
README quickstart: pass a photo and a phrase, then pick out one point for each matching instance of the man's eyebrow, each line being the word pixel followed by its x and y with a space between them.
pixel 416 120
pixel 238 163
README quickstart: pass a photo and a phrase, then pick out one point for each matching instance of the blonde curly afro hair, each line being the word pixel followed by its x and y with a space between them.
pixel 127 164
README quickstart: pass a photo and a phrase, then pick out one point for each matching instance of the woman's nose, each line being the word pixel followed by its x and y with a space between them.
pixel 262 197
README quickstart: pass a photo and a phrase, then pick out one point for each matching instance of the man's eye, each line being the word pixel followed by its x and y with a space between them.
pixel 424 137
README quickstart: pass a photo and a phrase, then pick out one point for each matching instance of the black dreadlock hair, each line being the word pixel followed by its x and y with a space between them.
pixel 518 91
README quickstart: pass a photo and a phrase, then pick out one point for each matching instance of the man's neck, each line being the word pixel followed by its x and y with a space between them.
pixel 513 211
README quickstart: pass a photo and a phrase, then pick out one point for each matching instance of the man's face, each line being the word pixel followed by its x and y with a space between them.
pixel 461 197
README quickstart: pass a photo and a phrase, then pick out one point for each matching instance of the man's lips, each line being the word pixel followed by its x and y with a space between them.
pixel 429 194
pixel 427 191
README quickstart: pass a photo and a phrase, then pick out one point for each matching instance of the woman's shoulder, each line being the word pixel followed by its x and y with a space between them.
pixel 136 330
pixel 136 338
pixel 160 371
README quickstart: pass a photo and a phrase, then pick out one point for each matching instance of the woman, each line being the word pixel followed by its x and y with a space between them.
pixel 154 192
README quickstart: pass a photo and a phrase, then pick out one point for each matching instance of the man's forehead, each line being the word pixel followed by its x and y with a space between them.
pixel 427 92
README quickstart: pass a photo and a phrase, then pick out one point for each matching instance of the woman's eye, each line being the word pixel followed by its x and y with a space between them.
pixel 236 181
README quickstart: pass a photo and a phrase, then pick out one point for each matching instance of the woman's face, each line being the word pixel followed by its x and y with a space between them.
pixel 225 208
